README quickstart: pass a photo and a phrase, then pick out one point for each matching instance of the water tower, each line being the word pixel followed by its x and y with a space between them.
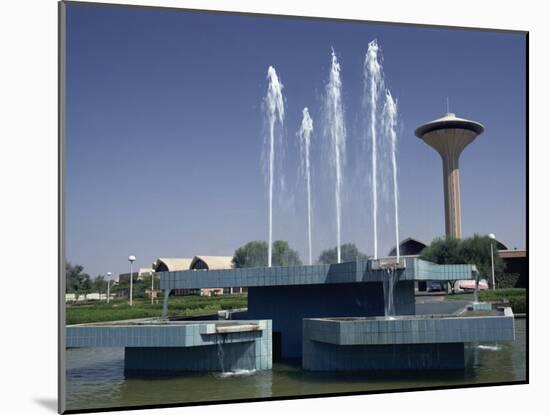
pixel 449 136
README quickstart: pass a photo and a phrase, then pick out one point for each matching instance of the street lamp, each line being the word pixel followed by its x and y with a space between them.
pixel 492 237
pixel 131 258
pixel 152 281
pixel 108 286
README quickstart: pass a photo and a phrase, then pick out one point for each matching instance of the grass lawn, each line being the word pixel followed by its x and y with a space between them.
pixel 516 297
pixel 188 306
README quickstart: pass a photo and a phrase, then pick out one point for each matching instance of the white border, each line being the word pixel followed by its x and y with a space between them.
pixel 28 137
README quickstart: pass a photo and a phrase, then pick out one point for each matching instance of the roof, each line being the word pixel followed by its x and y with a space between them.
pixel 512 253
pixel 213 262
pixel 501 246
pixel 449 121
pixel 174 264
pixel 408 246
pixel 145 271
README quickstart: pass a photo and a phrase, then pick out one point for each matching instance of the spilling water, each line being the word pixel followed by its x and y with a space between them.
pixel 237 372
pixel 220 341
pixel 275 112
pixel 336 133
pixel 305 133
pixel 389 284
pixel 491 348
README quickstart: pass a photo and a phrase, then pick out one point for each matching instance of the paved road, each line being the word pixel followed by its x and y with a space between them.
pixel 430 297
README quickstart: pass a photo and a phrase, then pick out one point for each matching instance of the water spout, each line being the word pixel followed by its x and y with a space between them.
pixel 336 132
pixel 373 84
pixel 389 121
pixel 275 112
pixel 306 130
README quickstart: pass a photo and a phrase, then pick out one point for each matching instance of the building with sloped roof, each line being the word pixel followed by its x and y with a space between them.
pixel 198 262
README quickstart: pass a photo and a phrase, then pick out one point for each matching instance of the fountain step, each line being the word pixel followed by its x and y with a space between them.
pixel 158 333
pixel 237 328
pixel 470 326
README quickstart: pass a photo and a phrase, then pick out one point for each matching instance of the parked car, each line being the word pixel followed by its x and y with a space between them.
pixel 469 286
pixel 434 286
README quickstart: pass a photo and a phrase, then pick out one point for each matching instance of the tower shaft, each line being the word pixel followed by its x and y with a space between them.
pixel 451 190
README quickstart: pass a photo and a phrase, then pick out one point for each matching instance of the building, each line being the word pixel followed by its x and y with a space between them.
pixel 198 263
pixel 206 262
pixel 175 264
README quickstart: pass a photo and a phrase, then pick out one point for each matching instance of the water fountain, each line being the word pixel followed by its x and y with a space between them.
pixel 382 119
pixel 336 132
pixel 389 121
pixel 275 112
pixel 306 130
pixel 389 334
pixel 373 86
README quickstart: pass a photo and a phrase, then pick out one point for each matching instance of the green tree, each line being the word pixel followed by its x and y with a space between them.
pixel 475 250
pixel 86 286
pixel 254 254
pixel 74 277
pixel 284 255
pixel 349 252
pixel 443 251
pixel 139 287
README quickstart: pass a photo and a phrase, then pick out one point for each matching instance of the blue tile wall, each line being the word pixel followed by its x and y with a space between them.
pixel 348 272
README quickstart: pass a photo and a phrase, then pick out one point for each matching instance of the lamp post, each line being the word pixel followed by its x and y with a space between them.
pixel 131 258
pixel 153 265
pixel 108 287
pixel 492 237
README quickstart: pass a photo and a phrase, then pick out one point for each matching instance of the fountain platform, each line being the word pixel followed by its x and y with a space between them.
pixel 326 315
pixel 287 295
pixel 156 345
pixel 361 271
pixel 401 342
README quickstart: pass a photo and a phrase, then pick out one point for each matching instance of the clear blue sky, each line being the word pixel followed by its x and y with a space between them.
pixel 165 131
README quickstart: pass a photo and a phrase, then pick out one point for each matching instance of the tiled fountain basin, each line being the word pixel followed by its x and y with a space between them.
pixel 469 326
pixel 158 345
pixel 404 342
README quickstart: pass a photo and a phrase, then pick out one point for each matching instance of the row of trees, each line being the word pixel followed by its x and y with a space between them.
pixel 475 250
pixel 254 254
pixel 80 283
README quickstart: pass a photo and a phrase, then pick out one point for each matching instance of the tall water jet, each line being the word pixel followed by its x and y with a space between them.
pixel 336 131
pixel 373 83
pixel 275 112
pixel 306 130
pixel 389 121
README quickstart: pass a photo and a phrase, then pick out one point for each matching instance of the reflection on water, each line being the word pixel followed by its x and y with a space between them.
pixel 95 378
